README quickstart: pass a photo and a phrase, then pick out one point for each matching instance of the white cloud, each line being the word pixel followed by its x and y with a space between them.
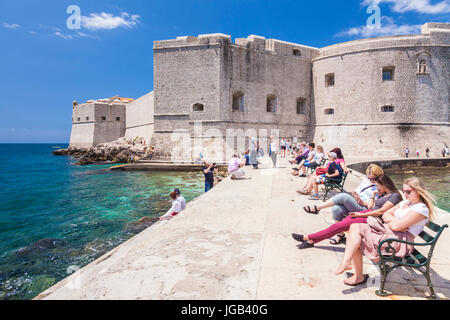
pixel 421 6
pixel 62 35
pixel 11 26
pixel 107 21
pixel 388 28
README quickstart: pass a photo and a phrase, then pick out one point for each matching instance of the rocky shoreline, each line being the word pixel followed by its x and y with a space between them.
pixel 120 151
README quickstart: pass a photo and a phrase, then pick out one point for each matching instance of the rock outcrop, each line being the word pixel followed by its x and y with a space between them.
pixel 122 150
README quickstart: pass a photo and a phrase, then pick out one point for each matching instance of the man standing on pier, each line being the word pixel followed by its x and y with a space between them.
pixel 208 171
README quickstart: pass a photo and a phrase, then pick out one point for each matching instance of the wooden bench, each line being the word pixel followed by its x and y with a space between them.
pixel 330 184
pixel 416 260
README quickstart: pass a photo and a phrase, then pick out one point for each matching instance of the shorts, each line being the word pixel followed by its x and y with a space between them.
pixel 283 147
pixel 321 179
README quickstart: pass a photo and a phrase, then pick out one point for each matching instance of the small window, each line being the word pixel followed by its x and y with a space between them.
pixel 329 111
pixel 103 118
pixel 388 73
pixel 387 109
pixel 198 107
pixel 117 118
pixel 297 52
pixel 329 80
pixel 79 119
pixel 271 103
pixel 238 101
pixel 301 106
pixel 87 118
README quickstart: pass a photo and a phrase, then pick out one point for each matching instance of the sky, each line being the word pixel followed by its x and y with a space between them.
pixel 47 60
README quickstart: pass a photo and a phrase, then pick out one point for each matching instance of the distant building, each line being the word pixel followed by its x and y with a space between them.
pixel 369 96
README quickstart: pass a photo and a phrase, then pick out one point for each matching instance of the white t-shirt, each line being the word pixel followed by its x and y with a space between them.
pixel 182 201
pixel 274 146
pixel 233 165
pixel 318 156
pixel 368 187
pixel 418 207
pixel 176 207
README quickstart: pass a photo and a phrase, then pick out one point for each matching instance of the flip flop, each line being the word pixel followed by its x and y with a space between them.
pixel 342 239
pixel 308 209
pixel 366 277
pixel 314 197
pixel 303 192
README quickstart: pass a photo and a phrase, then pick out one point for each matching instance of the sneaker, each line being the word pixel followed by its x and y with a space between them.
pixel 305 245
pixel 298 237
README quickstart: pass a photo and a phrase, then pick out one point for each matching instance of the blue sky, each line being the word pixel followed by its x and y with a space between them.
pixel 44 66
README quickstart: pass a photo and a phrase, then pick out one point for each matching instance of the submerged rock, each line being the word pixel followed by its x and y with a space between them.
pixel 141 224
pixel 41 245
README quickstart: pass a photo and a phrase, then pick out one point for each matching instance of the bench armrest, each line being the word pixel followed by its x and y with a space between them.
pixel 390 249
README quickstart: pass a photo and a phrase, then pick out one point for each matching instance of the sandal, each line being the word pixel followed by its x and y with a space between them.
pixel 304 192
pixel 314 197
pixel 308 209
pixel 342 239
pixel 366 277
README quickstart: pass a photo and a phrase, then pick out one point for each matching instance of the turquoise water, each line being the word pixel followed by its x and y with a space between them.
pixel 86 209
pixel 436 180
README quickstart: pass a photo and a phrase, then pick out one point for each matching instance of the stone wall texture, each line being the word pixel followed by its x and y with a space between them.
pixel 369 116
pixel 207 88
pixel 96 123
pixel 139 118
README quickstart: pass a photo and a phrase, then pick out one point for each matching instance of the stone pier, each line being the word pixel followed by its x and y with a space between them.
pixel 234 242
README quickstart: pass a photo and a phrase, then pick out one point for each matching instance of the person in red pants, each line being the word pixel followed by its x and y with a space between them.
pixel 386 197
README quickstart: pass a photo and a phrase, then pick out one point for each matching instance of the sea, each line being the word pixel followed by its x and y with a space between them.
pixel 56 217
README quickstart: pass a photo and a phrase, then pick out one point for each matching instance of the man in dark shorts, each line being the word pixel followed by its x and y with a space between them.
pixel 208 171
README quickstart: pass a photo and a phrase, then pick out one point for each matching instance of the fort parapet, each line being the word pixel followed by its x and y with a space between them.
pixel 371 96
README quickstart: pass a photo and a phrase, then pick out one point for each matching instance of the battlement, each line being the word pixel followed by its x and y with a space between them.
pixel 252 42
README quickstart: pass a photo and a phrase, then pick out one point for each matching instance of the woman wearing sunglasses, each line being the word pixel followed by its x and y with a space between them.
pixel 344 203
pixel 405 221
pixel 386 197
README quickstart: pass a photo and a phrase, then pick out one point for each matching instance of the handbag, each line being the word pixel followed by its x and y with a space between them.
pixel 320 171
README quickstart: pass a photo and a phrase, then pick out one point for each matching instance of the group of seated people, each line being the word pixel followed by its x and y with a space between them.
pixel 373 212
pixel 326 168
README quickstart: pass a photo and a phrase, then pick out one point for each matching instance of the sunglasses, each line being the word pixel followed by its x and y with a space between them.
pixel 408 192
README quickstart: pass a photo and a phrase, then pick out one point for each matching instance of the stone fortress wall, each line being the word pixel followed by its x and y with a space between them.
pixel 96 123
pixel 139 118
pixel 371 96
pixel 207 85
pixel 379 117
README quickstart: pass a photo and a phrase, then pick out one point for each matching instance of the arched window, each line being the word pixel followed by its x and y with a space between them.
pixel 329 111
pixel 238 101
pixel 271 105
pixel 198 107
pixel 301 106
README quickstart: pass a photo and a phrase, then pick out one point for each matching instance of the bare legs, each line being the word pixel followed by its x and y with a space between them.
pixel 352 255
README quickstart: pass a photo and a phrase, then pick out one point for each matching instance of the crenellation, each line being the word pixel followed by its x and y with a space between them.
pixel 371 95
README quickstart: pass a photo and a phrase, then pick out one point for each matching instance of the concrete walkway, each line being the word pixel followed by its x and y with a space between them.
pixel 235 243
